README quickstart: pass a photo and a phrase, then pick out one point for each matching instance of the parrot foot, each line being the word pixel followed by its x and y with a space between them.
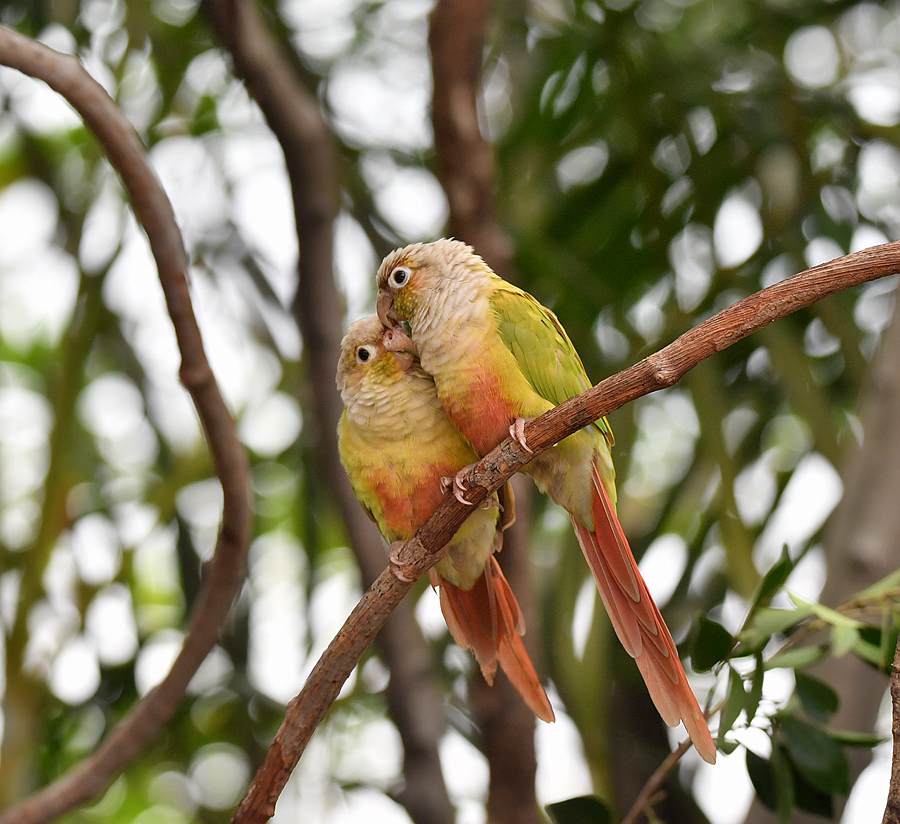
pixel 396 562
pixel 517 432
pixel 459 488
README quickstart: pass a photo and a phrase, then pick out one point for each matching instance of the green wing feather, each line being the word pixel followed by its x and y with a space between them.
pixel 542 348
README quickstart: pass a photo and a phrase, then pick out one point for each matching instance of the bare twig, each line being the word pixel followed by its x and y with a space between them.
pixel 659 371
pixel 295 117
pixel 651 791
pixel 225 572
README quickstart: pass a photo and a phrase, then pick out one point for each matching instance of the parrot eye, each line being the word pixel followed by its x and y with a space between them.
pixel 399 277
pixel 364 354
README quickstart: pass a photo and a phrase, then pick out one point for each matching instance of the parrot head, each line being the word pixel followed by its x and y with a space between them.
pixel 417 280
pixel 365 357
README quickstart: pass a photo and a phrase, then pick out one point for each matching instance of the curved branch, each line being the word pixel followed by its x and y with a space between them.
pixel 224 574
pixel 658 371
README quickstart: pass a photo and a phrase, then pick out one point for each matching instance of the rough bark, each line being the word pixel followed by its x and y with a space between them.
pixel 892 807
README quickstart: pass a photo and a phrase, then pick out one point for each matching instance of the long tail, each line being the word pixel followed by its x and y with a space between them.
pixel 487 620
pixel 637 621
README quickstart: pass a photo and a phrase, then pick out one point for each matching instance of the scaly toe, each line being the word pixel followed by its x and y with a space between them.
pixel 459 489
pixel 396 563
pixel 517 432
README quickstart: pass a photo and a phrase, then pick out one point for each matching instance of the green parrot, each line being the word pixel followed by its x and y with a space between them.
pixel 399 449
pixel 497 358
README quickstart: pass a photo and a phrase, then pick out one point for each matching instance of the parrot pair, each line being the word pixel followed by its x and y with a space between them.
pixel 399 448
pixel 493 357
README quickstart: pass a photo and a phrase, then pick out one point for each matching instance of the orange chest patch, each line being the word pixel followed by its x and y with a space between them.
pixel 407 500
pixel 482 412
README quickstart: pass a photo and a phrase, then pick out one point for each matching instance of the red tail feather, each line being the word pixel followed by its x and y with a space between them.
pixel 637 621
pixel 487 620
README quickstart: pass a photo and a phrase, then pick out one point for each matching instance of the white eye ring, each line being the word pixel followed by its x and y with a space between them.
pixel 364 354
pixel 399 277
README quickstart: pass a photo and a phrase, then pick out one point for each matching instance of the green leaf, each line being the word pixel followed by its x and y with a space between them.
pixel 810 799
pixel 876 645
pixel 205 117
pixel 784 783
pixel 772 781
pixel 769 621
pixel 890 581
pixel 754 694
pixel 734 703
pixel 585 809
pixel 762 777
pixel 851 738
pixel 773 580
pixel 799 657
pixel 816 755
pixel 818 699
pixel 827 614
pixel 890 632
pixel 713 644
pixel 748 645
pixel 843 639
pixel 871 654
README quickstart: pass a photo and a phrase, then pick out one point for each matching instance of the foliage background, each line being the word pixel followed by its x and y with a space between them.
pixel 652 162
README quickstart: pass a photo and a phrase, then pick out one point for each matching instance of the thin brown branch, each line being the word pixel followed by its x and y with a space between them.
pixel 305 712
pixel 659 371
pixel 892 808
pixel 651 792
pixel 668 366
pixel 225 572
pixel 295 117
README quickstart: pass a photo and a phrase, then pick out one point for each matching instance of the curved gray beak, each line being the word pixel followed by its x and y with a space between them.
pixel 385 309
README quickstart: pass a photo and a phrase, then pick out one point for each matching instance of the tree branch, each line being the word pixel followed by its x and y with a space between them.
pixel 658 371
pixel 465 160
pixel 653 787
pixel 892 808
pixel 225 572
